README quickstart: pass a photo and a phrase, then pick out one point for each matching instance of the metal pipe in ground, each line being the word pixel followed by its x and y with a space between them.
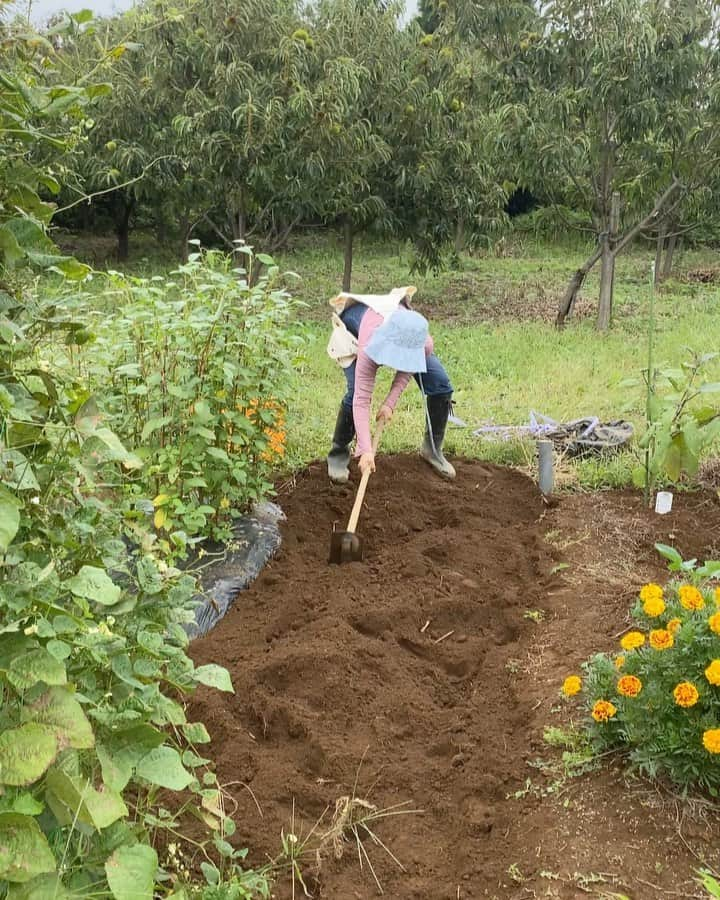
pixel 545 467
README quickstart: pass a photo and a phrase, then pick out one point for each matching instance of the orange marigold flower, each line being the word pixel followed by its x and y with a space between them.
pixel 572 685
pixel 674 625
pixel 603 710
pixel 690 597
pixel 632 640
pixel 629 686
pixel 654 606
pixel 686 694
pixel 712 673
pixel 711 740
pixel 619 661
pixel 651 592
pixel 714 622
pixel 661 639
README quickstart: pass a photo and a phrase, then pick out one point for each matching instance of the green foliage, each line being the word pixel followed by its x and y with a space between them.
pixel 193 373
pixel 683 422
pixel 666 691
pixel 711 884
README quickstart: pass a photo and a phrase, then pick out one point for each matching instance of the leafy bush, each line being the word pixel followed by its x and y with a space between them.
pixel 194 375
pixel 659 697
pixel 683 423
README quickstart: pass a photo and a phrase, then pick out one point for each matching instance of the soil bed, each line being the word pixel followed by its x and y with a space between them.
pixel 342 688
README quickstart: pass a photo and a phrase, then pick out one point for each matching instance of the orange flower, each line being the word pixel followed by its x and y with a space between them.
pixel 686 694
pixel 712 673
pixel 711 740
pixel 653 607
pixel 572 685
pixel 632 640
pixel 674 625
pixel 660 639
pixel 629 686
pixel 651 591
pixel 714 622
pixel 690 597
pixel 603 710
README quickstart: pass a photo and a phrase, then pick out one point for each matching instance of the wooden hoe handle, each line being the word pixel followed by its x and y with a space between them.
pixel 355 514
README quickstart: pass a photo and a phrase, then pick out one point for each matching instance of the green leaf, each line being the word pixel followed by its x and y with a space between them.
pixel 27 805
pixel 9 518
pixel 71 268
pixel 94 584
pixel 44 887
pixel 16 471
pixel 163 767
pixel 671 555
pixel 26 753
pixel 11 253
pixel 196 733
pixel 121 751
pixel 131 872
pixel 58 709
pixel 214 676
pixel 24 850
pixel 37 665
pixel 72 798
pixel 149 577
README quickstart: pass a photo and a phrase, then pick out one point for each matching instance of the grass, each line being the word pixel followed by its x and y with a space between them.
pixel 492 323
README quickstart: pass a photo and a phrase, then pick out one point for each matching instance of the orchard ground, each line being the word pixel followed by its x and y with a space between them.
pixel 426 680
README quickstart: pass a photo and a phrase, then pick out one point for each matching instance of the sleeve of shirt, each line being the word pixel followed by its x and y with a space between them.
pixel 365 372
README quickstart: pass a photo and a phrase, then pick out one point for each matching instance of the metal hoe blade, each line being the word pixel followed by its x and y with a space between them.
pixel 345 546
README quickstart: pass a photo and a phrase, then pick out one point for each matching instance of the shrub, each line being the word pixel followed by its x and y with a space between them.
pixel 658 697
pixel 197 366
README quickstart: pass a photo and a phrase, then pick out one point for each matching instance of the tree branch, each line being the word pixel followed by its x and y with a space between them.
pixel 651 217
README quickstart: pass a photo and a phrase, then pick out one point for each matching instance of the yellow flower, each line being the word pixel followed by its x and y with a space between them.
pixel 572 685
pixel 674 625
pixel 660 639
pixel 224 503
pixel 619 661
pixel 686 694
pixel 690 597
pixel 717 596
pixel 604 710
pixel 654 606
pixel 711 740
pixel 651 592
pixel 714 622
pixel 632 640
pixel 712 673
pixel 629 686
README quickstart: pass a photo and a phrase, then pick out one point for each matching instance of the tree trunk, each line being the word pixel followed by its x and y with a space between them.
pixel 185 232
pixel 672 244
pixel 608 243
pixel 122 229
pixel 607 278
pixel 459 236
pixel 659 249
pixel 348 240
pixel 573 288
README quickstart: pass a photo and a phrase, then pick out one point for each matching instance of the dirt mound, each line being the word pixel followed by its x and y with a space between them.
pixel 337 682
pixel 426 675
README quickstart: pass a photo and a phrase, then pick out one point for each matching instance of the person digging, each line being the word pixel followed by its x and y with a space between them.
pixel 370 331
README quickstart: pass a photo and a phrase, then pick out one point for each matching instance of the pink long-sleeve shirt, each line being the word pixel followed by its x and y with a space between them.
pixel 365 373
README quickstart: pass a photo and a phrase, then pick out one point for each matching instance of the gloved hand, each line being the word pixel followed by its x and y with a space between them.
pixel 367 462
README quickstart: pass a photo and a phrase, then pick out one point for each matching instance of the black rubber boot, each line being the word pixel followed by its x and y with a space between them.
pixel 439 411
pixel 338 460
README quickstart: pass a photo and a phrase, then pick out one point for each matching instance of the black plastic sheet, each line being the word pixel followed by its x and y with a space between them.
pixel 256 539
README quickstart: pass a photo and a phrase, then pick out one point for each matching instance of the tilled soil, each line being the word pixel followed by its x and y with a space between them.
pixel 422 679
